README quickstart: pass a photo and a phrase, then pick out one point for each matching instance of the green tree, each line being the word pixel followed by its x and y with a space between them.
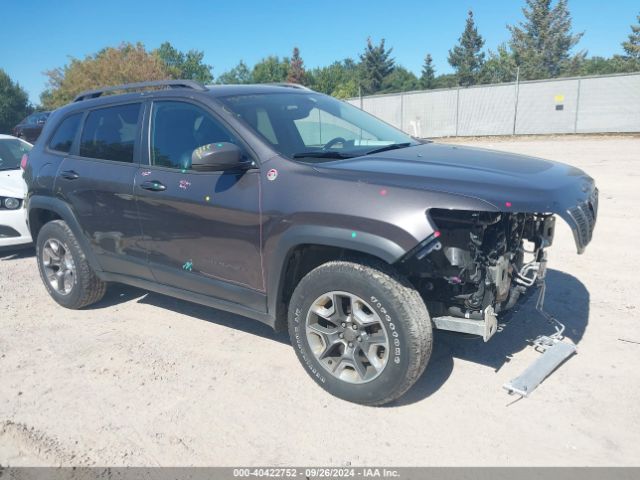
pixel 14 103
pixel 271 70
pixel 606 66
pixel 499 67
pixel 348 89
pixel 467 57
pixel 428 74
pixel 632 46
pixel 376 64
pixel 447 80
pixel 340 79
pixel 237 75
pixel 542 43
pixel 110 66
pixel 186 66
pixel 400 80
pixel 296 72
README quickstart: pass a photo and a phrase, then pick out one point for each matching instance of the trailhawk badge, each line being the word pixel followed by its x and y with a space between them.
pixel 272 174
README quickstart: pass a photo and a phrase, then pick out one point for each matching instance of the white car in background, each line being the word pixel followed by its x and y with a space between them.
pixel 13 223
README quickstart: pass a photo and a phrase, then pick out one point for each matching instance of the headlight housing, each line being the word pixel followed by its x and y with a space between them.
pixel 10 203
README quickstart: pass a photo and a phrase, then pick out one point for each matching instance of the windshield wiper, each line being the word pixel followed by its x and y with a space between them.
pixel 393 146
pixel 326 154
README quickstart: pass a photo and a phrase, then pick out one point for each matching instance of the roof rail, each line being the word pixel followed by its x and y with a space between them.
pixel 290 85
pixel 134 86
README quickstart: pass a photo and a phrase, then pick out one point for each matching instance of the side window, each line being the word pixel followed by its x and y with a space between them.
pixel 62 140
pixel 110 133
pixel 177 129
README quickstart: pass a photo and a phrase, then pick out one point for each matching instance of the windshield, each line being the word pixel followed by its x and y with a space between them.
pixel 11 151
pixel 313 127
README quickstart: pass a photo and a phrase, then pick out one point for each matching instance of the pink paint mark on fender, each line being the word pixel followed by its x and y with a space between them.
pixel 184 184
pixel 145 173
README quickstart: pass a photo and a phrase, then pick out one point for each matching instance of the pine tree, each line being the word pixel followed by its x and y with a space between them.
pixel 467 57
pixel 542 43
pixel 427 79
pixel 632 46
pixel 296 68
pixel 376 64
pixel 499 67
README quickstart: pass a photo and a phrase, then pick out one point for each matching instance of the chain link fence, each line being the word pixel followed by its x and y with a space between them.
pixel 599 104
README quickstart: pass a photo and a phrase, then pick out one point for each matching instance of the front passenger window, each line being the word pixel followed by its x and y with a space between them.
pixel 177 129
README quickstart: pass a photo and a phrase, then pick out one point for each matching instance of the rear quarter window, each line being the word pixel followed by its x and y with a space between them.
pixel 62 139
pixel 109 133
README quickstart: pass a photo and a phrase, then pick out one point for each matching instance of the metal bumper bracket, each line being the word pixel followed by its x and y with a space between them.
pixel 555 350
pixel 485 327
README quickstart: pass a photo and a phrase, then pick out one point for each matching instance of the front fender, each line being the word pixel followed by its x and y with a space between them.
pixel 363 242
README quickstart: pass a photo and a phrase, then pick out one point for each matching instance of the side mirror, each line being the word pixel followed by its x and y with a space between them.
pixel 216 157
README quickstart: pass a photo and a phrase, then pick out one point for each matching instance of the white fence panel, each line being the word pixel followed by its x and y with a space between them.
pixel 486 110
pixel 547 107
pixel 575 105
pixel 430 114
pixel 387 108
pixel 610 104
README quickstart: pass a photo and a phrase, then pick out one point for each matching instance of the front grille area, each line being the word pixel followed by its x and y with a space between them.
pixel 585 214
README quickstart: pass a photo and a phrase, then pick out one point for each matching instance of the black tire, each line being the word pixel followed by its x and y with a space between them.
pixel 86 287
pixel 401 310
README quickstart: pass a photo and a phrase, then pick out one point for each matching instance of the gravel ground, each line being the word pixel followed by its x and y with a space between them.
pixel 143 379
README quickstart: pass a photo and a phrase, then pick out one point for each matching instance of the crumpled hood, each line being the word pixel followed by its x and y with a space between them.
pixel 529 184
pixel 12 184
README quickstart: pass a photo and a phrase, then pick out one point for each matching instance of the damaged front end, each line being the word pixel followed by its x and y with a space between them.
pixel 478 264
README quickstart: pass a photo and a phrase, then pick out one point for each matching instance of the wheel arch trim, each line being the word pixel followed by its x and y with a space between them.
pixel 297 236
pixel 64 211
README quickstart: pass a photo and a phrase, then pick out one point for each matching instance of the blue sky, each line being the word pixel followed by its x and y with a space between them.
pixel 37 35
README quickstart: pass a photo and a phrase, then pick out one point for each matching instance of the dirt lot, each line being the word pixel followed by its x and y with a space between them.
pixel 143 379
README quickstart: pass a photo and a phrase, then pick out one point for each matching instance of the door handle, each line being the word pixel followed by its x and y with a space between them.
pixel 153 186
pixel 69 175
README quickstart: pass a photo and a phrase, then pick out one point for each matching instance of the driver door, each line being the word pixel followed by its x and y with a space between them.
pixel 201 229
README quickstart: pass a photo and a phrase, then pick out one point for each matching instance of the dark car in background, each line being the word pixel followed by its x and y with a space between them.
pixel 30 128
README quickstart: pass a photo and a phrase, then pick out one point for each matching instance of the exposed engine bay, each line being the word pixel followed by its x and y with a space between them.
pixel 480 263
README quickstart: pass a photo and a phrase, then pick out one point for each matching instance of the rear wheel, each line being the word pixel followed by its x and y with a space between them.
pixel 362 331
pixel 64 268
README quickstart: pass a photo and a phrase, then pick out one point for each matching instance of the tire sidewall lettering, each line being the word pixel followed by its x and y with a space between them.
pixel 397 350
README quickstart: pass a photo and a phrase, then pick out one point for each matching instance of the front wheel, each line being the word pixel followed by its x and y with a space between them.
pixel 362 331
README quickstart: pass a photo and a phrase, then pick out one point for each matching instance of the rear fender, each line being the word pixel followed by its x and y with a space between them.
pixel 64 211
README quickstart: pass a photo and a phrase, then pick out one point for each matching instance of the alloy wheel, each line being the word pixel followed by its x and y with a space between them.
pixel 59 267
pixel 347 337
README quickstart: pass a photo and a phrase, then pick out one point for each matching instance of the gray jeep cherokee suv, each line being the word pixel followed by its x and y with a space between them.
pixel 300 211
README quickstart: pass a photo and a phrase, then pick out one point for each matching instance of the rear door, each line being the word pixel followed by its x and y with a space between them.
pixel 96 179
pixel 201 229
